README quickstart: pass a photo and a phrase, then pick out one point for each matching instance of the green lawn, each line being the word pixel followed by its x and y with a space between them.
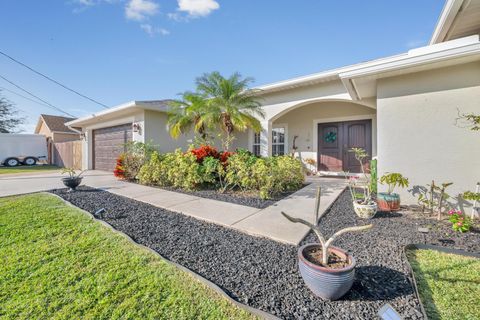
pixel 449 285
pixel 20 169
pixel 57 263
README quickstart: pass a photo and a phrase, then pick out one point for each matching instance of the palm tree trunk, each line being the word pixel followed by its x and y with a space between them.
pixel 228 127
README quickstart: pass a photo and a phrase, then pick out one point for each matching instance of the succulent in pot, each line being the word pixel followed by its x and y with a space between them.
pixel 390 201
pixel 363 204
pixel 73 180
pixel 328 271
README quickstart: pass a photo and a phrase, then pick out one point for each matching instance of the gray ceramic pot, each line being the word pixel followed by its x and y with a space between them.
pixel 326 283
pixel 72 183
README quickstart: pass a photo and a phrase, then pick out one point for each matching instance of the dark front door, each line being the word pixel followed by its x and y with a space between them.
pixel 337 138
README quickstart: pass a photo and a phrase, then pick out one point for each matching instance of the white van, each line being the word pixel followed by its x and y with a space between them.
pixel 27 149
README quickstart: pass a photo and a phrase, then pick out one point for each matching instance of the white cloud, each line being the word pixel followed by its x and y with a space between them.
pixel 415 43
pixel 86 2
pixel 83 5
pixel 140 9
pixel 177 17
pixel 198 8
pixel 152 31
pixel 90 3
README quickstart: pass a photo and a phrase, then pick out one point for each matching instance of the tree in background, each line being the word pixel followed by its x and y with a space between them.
pixel 235 106
pixel 9 117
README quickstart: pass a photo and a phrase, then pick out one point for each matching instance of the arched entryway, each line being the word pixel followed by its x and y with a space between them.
pixel 325 131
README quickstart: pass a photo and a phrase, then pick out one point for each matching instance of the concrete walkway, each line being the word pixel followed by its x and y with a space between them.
pixel 266 222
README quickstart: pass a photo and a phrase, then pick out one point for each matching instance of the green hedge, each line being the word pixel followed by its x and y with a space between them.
pixel 241 171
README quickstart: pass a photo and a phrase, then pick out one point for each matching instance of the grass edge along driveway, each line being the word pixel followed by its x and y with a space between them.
pixel 58 263
pixel 448 284
pixel 27 169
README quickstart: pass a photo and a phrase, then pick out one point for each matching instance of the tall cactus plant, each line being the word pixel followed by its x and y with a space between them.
pixel 325 243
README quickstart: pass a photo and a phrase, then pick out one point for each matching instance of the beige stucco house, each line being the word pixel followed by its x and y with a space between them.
pixel 402 109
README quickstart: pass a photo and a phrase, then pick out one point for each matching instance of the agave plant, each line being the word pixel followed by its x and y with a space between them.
pixel 325 243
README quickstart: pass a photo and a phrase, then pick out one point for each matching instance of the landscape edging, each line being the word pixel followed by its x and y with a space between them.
pixel 422 246
pixel 203 280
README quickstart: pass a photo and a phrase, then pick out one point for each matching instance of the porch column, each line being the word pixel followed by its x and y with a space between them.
pixel 87 150
pixel 266 139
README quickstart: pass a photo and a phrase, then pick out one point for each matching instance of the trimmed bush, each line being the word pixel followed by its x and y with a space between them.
pixel 279 174
pixel 136 155
pixel 239 171
pixel 223 171
pixel 184 171
pixel 153 172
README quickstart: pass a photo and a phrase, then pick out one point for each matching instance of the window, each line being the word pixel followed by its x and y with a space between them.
pixel 278 141
pixel 256 144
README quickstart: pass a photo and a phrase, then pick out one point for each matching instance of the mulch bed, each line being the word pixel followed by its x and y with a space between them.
pixel 263 273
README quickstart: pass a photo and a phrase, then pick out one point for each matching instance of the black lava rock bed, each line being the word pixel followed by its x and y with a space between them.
pixel 263 273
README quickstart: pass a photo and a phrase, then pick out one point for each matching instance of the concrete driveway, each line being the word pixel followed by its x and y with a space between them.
pixel 22 183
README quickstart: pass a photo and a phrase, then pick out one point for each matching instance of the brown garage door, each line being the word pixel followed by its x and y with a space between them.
pixel 108 144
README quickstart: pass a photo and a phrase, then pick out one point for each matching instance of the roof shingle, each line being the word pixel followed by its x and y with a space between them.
pixel 57 123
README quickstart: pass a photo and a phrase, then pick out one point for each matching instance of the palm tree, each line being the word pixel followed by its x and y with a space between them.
pixel 191 111
pixel 235 106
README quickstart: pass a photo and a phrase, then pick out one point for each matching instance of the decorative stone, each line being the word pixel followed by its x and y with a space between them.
pixel 264 273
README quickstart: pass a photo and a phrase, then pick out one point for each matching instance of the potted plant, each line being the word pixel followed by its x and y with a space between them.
pixel 363 204
pixel 390 201
pixel 73 180
pixel 328 271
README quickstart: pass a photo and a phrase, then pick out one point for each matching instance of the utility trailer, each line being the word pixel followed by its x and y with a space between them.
pixel 22 149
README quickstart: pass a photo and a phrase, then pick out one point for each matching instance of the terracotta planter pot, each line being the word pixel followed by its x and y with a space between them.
pixel 72 183
pixel 388 201
pixel 326 283
pixel 365 211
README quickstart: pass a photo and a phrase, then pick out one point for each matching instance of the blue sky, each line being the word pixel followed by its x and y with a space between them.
pixel 120 50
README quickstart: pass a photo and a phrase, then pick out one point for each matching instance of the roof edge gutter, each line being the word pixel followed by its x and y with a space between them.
pixel 447 20
pixel 124 106
pixel 459 52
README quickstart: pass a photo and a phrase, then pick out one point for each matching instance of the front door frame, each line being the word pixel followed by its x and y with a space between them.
pixel 372 117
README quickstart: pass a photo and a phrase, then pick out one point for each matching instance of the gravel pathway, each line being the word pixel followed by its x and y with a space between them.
pixel 263 273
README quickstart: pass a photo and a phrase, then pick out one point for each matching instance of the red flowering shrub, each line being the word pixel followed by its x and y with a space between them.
pixel 225 155
pixel 119 171
pixel 205 151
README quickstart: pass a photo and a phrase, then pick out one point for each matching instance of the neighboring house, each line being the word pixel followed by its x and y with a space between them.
pixel 55 130
pixel 401 109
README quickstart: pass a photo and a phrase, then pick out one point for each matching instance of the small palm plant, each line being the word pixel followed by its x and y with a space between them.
pixel 191 112
pixel 325 243
pixel 235 106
